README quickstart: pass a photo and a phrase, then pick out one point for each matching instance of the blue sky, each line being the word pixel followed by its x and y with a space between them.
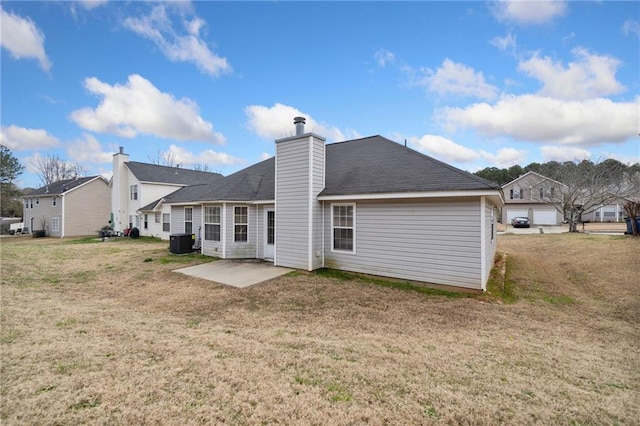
pixel 475 84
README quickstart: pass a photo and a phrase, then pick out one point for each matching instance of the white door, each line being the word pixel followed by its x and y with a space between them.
pixel 269 233
pixel 544 217
pixel 511 213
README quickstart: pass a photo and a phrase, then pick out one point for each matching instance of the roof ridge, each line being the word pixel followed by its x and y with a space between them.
pixel 174 167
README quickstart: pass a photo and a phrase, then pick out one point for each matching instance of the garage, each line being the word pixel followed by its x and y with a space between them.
pixel 511 213
pixel 544 217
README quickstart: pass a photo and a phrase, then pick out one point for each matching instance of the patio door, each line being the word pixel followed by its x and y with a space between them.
pixel 269 233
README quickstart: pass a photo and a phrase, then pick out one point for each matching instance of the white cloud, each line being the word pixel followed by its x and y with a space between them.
pixel 443 149
pixel 456 79
pixel 22 139
pixel 384 57
pixel 88 149
pixel 505 157
pixel 563 153
pixel 22 38
pixel 177 46
pixel 631 26
pixel 277 122
pixel 590 76
pixel 209 157
pixel 139 107
pixel 541 119
pixel 265 156
pixel 529 12
pixel 92 4
pixel 507 42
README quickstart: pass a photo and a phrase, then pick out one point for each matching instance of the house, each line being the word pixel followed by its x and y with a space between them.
pixel 137 191
pixel 367 205
pixel 71 207
pixel 613 212
pixel 534 196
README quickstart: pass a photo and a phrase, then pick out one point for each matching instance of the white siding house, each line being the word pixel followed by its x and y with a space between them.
pixel 368 205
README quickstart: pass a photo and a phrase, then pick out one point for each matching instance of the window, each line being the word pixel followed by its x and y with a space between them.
pixel 157 218
pixel 212 223
pixel 146 221
pixel 188 220
pixel 240 224
pixel 541 193
pixel 54 201
pixel 134 192
pixel 516 193
pixel 55 224
pixel 552 191
pixel 342 221
pixel 37 201
pixel 31 202
pixel 166 225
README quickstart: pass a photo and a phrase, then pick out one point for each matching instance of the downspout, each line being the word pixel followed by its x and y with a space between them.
pixel 224 230
pixel 323 231
pixel 62 218
pixel 483 245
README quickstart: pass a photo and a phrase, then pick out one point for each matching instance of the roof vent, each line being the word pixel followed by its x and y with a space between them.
pixel 299 122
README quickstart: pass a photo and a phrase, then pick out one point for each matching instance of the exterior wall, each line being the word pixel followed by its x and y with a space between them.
pixel 41 214
pixel 490 239
pixel 608 213
pixel 239 250
pixel 437 241
pixel 299 179
pixel 86 208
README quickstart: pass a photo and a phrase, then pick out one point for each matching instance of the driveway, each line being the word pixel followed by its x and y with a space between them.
pixel 236 273
pixel 536 229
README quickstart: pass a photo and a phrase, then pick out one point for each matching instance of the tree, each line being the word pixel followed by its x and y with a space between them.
pixel 632 210
pixel 586 186
pixel 52 168
pixel 10 169
pixel 167 158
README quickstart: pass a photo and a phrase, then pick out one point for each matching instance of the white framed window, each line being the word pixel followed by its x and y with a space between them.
pixel 240 224
pixel 31 202
pixel 55 224
pixel 343 226
pixel 166 222
pixel 134 192
pixel 157 217
pixel 516 193
pixel 212 223
pixel 54 201
pixel 188 220
pixel 146 221
pixel 37 201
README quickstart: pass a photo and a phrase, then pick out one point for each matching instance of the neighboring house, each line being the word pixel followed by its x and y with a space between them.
pixel 368 205
pixel 613 212
pixel 534 196
pixel 67 208
pixel 140 185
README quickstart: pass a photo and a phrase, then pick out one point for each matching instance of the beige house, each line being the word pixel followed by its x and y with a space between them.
pixel 534 196
pixel 67 208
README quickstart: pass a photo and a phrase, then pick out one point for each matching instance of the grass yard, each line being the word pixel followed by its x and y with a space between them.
pixel 105 333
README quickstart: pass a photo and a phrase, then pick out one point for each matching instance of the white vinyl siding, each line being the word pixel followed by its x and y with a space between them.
pixel 240 249
pixel 300 163
pixel 490 242
pixel 435 241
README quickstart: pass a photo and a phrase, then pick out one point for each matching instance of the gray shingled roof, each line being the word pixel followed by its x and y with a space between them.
pixel 372 165
pixel 377 165
pixel 60 187
pixel 172 175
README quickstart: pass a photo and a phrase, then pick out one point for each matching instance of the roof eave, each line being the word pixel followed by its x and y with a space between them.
pixel 495 195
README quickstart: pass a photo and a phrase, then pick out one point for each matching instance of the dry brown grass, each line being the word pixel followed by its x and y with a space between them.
pixel 93 333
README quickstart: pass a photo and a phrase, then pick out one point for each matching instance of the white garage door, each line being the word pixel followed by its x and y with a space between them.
pixel 511 213
pixel 544 217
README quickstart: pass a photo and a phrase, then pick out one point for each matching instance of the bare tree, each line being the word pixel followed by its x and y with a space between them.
pixel 632 210
pixel 52 168
pixel 586 186
pixel 202 168
pixel 167 158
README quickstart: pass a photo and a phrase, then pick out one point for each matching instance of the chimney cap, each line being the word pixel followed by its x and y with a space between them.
pixel 297 120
